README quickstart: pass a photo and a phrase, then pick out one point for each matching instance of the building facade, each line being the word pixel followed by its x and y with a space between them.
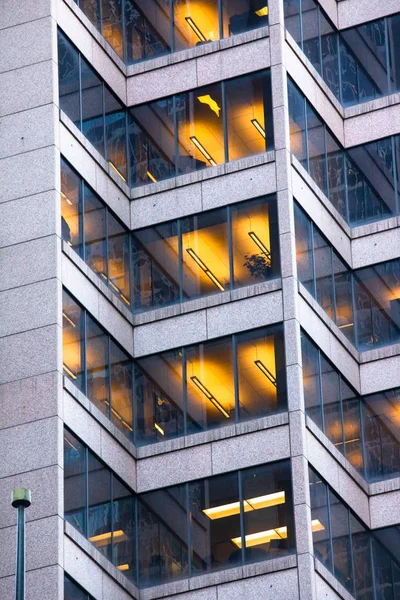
pixel 200 348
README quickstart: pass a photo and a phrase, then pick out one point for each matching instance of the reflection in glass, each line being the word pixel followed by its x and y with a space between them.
pixel 73 591
pixel 196 22
pixel 73 341
pixel 74 482
pixel 71 207
pixel 99 507
pixel 97 367
pixel 243 15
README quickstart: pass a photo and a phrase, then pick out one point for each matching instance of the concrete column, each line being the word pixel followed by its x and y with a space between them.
pixel 30 296
pixel 297 428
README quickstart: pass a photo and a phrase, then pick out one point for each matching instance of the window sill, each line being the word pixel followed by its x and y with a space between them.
pixel 331 580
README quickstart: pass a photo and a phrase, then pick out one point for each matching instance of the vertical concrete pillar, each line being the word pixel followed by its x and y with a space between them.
pixel 298 448
pixel 30 295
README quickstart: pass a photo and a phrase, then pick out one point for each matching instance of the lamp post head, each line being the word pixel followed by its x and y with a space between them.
pixel 21 497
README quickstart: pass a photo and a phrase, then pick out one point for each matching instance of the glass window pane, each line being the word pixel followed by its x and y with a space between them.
pixel 304 250
pixel 311 380
pixel 99 527
pixel 261 373
pixel 243 15
pixel 97 366
pixel 332 404
pixel 118 259
pixel 72 591
pixel 74 482
pixel 316 149
pixel 297 124
pixel 267 503
pixel 115 127
pixel 362 560
pixel 348 67
pixel 341 542
pixel 91 9
pixel 196 22
pixel 343 298
pixel 121 389
pixel 215 523
pixel 151 142
pixel 352 433
pixel 205 254
pixel 292 19
pixel 329 52
pixel 68 79
pixel 320 519
pixel 249 115
pixel 311 39
pixel 210 385
pixel 200 129
pixel 368 43
pixel 163 536
pixel 159 397
pixel 95 233
pixel 73 341
pixel 323 273
pixel 155 258
pixel 336 175
pixel 147 26
pixel 124 532
pixel 92 107
pixel 393 39
pixel 112 24
pixel 71 207
pixel 254 242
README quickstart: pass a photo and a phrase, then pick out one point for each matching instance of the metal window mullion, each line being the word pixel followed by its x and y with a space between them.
pixel 306 135
pixel 180 259
pixel 221 22
pixel 346 186
pixel 395 175
pixel 328 506
pixel 224 120
pixel 242 521
pixel 236 377
pixel 84 349
pixel 80 92
pixel 362 435
pixel 109 376
pixel 101 16
pixel 189 530
pixel 301 25
pixel 134 403
pixel 328 191
pixel 172 25
pixel 387 56
pixel 339 63
pixel 230 248
pixel 353 303
pixel 313 260
pixel 184 391
pixel 321 395
pixel 112 516
pixel 374 588
pixel 320 40
pixel 353 570
pixel 342 416
pixel 136 541
pixel 87 491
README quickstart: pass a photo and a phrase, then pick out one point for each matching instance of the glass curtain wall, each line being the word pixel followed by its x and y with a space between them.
pixel 181 531
pixel 365 429
pixel 363 303
pixel 365 562
pixel 73 591
pixel 172 136
pixel 361 183
pixel 212 252
pixel 358 64
pixel 145 29
pixel 178 392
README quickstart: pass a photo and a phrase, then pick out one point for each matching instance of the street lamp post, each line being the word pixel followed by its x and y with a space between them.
pixel 20 499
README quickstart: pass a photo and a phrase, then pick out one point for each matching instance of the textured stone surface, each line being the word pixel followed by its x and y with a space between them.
pixel 38 78
pixel 37 172
pixel 279 586
pixel 17 47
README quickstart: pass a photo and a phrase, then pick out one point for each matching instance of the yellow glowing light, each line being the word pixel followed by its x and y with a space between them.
pixel 261 537
pixel 104 538
pixel 150 176
pixel 69 372
pixel 259 128
pixel 159 429
pixel 316 525
pixel 67 200
pixel 118 416
pixel 346 325
pixel 203 150
pixel 227 510
pixel 70 321
pixel 204 268
pixel 262 247
pixel 209 396
pixel 265 371
pixel 210 102
pixel 118 172
pixel 197 31
pixel 262 12
pixel 69 244
pixel 124 567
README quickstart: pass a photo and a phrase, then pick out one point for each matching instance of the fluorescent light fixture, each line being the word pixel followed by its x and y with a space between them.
pixel 69 372
pixel 262 12
pixel 206 99
pixel 197 31
pixel 70 444
pixel 105 538
pixel 265 371
pixel 262 246
pixel 227 510
pixel 151 177
pixel 118 416
pixel 347 442
pixel 114 287
pixel 118 172
pixel 259 128
pixel 346 325
pixel 209 396
pixel 67 200
pixel 316 525
pixel 124 567
pixel 159 429
pixel 261 537
pixel 203 150
pixel 69 244
pixel 204 268
pixel 70 321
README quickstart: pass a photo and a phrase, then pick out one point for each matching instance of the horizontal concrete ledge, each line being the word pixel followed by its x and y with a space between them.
pixel 90 550
pixel 332 581
pixel 357 12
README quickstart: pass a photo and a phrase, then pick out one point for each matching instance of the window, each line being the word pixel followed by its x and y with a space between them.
pixel 178 392
pixel 363 303
pixel 198 255
pixel 179 134
pixel 365 562
pixel 144 29
pixel 73 591
pixel 185 530
pixel 363 428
